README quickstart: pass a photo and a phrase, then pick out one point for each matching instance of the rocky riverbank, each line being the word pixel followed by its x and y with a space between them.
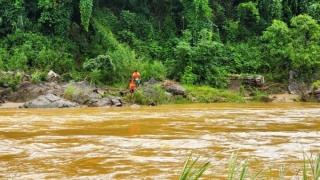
pixel 56 94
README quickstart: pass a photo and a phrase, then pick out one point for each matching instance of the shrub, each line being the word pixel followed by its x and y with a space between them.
pixel 38 76
pixel 315 85
pixel 11 80
pixel 70 91
pixel 154 69
pixel 157 95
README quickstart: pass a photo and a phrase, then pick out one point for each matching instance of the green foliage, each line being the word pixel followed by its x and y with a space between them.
pixel 18 60
pixel 243 58
pixel 125 62
pixel 74 76
pixel 314 11
pixel 296 48
pixel 206 94
pixel 55 16
pixel 11 80
pixel 100 67
pixel 273 49
pixel 29 51
pixel 123 58
pixel 240 170
pixel 198 41
pixel 258 95
pixel 197 14
pixel 45 4
pixel 189 172
pixel 249 17
pixel 96 76
pixel 85 11
pixel 188 77
pixel 231 29
pixel 154 69
pixel 101 62
pixel 270 10
pixel 149 94
pixel 38 76
pixel 304 48
pixel 205 60
pixel 66 77
pixel 314 164
pixel 315 85
pixel 237 171
pixel 70 91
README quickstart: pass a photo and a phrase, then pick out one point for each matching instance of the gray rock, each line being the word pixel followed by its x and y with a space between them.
pixel 104 102
pixel 49 101
pixel 176 90
pixel 5 91
pixel 116 101
pixel 135 106
pixel 53 77
pixel 299 88
pixel 151 81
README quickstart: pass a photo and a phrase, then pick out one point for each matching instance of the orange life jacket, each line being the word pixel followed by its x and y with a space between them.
pixel 136 75
pixel 132 85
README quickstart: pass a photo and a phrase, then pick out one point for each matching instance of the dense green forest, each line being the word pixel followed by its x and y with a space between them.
pixel 190 41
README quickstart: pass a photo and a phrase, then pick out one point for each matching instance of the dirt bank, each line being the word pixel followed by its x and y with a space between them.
pixel 10 105
pixel 284 98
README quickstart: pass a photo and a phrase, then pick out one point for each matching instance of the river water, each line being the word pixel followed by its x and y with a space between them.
pixel 154 142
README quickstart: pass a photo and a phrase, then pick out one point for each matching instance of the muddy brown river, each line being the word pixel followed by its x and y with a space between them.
pixel 154 142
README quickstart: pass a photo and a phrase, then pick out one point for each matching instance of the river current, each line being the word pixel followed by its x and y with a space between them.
pixel 154 142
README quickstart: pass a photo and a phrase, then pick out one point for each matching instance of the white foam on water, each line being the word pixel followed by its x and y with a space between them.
pixel 197 130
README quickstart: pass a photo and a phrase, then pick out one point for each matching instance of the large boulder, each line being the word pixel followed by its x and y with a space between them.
pixel 4 92
pixel 28 91
pixel 104 102
pixel 116 101
pixel 176 90
pixel 53 77
pixel 50 101
pixel 151 81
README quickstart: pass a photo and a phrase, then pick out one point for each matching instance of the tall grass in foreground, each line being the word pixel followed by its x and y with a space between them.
pixel 189 172
pixel 239 171
pixel 314 164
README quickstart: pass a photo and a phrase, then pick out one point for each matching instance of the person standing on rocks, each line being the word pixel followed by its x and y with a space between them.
pixel 132 88
pixel 136 76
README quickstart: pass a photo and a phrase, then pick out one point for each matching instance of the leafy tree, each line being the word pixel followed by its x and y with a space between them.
pixel 248 17
pixel 243 58
pixel 197 14
pixel 274 53
pixel 314 11
pixel 296 48
pixel 55 16
pixel 304 46
pixel 153 69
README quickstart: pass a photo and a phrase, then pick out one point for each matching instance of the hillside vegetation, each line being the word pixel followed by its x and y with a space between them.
pixel 195 42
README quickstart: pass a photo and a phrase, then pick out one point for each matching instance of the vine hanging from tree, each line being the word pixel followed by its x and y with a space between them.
pixel 86 10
